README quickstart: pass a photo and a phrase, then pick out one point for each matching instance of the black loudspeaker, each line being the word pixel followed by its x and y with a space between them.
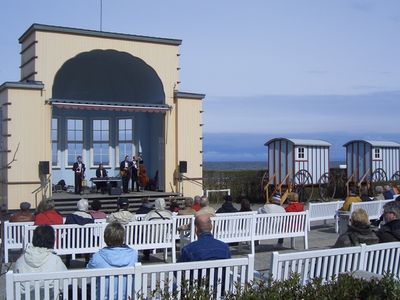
pixel 115 191
pixel 183 166
pixel 44 167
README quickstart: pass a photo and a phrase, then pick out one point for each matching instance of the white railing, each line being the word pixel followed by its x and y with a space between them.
pixel 323 211
pixel 13 236
pixel 327 263
pixel 221 276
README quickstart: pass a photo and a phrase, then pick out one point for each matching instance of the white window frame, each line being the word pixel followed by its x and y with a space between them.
pixel 58 164
pixel 67 142
pixel 303 152
pixel 117 149
pixel 376 154
pixel 92 165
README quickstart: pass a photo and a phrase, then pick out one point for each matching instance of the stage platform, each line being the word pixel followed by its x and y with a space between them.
pixel 66 202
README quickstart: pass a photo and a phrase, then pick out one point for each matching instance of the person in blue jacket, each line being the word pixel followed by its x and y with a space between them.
pixel 115 255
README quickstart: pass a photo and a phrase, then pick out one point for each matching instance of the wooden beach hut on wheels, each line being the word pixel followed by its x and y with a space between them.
pixel 372 161
pixel 299 165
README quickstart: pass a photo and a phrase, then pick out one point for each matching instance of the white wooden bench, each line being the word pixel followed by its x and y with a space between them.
pixel 323 211
pixel 325 264
pixel 373 208
pixel 281 225
pixel 135 281
pixel 13 236
pixel 142 235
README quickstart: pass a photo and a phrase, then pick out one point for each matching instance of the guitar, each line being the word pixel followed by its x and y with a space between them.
pixel 125 172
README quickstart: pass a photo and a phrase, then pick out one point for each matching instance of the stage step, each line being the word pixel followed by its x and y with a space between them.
pixel 66 203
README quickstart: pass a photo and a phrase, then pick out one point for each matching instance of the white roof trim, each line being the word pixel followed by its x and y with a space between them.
pixel 302 142
pixel 389 144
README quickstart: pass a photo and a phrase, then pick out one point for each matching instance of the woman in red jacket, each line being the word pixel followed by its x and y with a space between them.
pixel 47 214
pixel 294 205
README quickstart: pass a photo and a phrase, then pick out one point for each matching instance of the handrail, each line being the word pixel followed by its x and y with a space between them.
pixel 348 182
pixel 280 185
pixel 362 178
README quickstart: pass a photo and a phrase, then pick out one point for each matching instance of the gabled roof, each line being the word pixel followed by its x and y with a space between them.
pixel 95 33
pixel 389 144
pixel 302 142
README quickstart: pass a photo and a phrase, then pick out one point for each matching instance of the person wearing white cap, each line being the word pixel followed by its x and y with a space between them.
pixel 81 216
pixel 274 207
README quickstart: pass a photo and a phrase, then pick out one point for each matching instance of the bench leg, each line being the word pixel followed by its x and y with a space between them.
pixel 6 255
pixel 292 243
pixel 165 255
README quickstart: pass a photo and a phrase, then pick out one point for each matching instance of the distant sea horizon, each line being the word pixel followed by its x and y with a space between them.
pixel 246 165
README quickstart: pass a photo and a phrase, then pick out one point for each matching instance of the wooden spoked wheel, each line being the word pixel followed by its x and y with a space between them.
pixel 303 186
pixel 395 177
pixel 379 175
pixel 327 186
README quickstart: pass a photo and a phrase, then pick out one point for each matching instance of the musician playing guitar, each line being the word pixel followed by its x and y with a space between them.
pixel 125 172
pixel 79 171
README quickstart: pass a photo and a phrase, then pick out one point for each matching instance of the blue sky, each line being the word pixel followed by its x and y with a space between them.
pixel 306 68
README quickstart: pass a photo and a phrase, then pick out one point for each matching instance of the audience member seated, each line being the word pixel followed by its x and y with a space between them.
pixel 351 198
pixel 294 205
pixel 245 205
pixel 274 207
pixel 206 247
pixel 115 255
pixel 390 231
pixel 397 199
pixel 205 209
pixel 101 173
pixel 379 193
pixel 24 215
pixel 47 215
pixel 188 210
pixel 122 215
pixel 364 194
pixel 159 211
pixel 387 192
pixel 39 256
pixel 81 216
pixel 146 206
pixel 227 206
pixel 196 205
pixel 95 212
pixel 358 232
pixel 174 207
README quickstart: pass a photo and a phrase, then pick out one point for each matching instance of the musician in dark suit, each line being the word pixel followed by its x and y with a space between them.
pixel 101 173
pixel 79 171
pixel 125 172
pixel 135 176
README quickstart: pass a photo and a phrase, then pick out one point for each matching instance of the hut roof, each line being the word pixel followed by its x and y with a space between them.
pixel 389 144
pixel 301 142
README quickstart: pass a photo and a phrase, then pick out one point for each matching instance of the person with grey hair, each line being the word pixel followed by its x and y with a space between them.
pixel 390 231
pixel 387 192
pixel 379 193
pixel 188 210
pixel 81 216
pixel 205 209
pixel 196 205
pixel 47 215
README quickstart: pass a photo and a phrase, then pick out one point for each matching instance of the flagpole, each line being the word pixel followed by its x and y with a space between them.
pixel 101 15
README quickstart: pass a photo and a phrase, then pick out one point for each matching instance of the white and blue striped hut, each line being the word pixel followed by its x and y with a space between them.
pixel 373 160
pixel 289 156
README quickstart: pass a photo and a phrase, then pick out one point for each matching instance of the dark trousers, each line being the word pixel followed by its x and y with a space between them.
pixel 78 183
pixel 135 180
pixel 125 183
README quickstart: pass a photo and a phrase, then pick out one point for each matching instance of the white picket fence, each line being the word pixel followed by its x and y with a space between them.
pixel 325 264
pixel 222 276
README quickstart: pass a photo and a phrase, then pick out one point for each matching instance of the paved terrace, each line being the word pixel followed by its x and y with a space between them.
pixel 321 236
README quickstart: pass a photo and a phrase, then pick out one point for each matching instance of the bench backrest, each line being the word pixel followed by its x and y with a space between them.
pixel 235 228
pixel 327 263
pixel 13 236
pixel 323 211
pixel 139 280
pixel 72 238
pixel 280 225
pixel 373 208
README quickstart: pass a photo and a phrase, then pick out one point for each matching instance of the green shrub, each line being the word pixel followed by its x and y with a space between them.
pixel 344 287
